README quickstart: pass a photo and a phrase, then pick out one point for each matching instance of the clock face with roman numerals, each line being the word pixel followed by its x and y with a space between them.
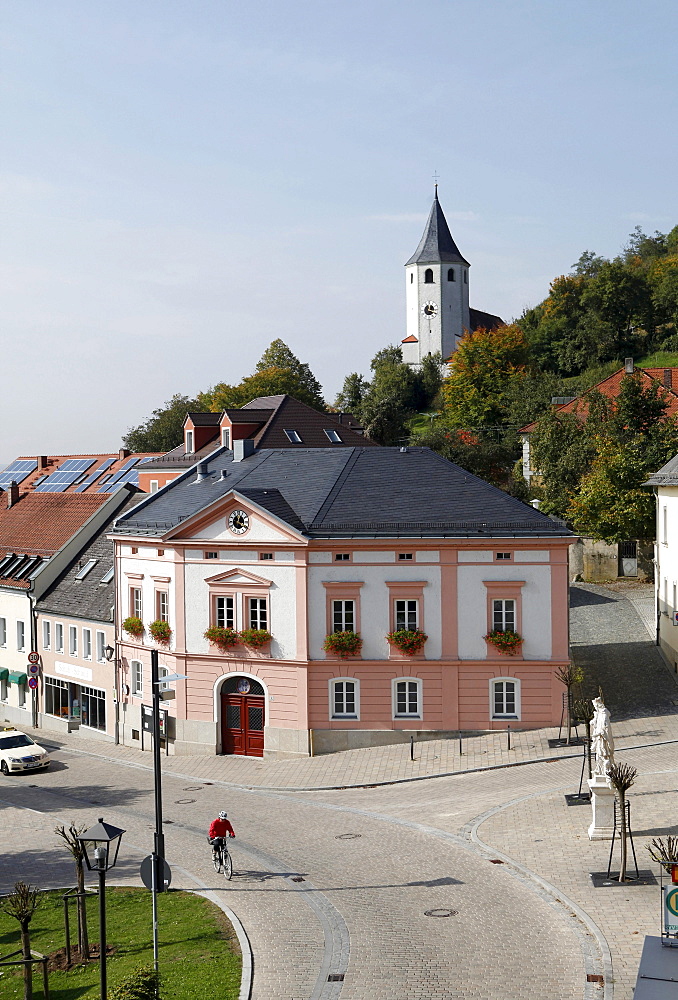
pixel 238 522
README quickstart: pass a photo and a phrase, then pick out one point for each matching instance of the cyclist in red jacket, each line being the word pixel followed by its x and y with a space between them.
pixel 220 828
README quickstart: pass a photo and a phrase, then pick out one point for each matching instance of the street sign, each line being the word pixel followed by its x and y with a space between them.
pixel 32 683
pixel 34 668
pixel 147 719
pixel 34 657
pixel 146 873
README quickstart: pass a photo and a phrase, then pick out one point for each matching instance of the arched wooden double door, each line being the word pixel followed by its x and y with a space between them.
pixel 242 717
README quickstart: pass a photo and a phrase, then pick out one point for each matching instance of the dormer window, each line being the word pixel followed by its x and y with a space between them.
pixel 428 276
pixel 333 436
pixel 189 442
pixel 293 436
pixel 225 437
pixel 451 275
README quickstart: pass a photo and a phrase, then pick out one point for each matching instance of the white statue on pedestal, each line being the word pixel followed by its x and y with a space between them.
pixel 602 741
pixel 602 792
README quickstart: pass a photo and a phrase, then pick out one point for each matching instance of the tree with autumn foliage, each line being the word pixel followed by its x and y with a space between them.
pixel 485 370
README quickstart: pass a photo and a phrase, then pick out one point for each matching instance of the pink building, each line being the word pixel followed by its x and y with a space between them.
pixel 304 543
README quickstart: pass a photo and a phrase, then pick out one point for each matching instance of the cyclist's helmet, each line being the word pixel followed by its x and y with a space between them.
pixel 223 815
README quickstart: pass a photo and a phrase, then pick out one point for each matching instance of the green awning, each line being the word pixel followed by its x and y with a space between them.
pixel 16 678
pixel 4 673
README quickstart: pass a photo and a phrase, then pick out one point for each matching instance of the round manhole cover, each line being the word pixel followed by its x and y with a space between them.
pixel 441 912
pixel 348 836
pixel 184 802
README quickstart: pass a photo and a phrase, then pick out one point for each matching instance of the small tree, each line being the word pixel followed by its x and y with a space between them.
pixel 622 777
pixel 22 904
pixel 583 712
pixel 70 838
pixel 142 984
pixel 570 676
pixel 664 852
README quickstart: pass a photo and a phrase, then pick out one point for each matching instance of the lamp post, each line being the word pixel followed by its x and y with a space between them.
pixel 158 696
pixel 100 845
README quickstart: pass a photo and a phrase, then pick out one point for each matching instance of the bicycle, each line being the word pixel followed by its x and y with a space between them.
pixel 221 859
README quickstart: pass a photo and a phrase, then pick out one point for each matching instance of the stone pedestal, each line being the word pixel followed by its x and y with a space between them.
pixel 602 802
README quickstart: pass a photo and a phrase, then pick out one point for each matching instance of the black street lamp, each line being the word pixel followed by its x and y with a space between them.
pixel 100 845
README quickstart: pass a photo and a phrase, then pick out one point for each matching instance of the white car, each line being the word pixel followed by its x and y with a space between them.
pixel 18 752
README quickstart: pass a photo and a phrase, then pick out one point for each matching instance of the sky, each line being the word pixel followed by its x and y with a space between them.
pixel 183 181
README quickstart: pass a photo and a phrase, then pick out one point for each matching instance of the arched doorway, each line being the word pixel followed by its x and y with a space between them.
pixel 242 716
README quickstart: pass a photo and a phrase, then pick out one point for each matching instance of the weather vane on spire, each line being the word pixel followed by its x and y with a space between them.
pixel 435 179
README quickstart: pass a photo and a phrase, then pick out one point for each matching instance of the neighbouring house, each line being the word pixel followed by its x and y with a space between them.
pixel 40 535
pixel 268 421
pixel 75 631
pixel 665 484
pixel 75 473
pixel 591 559
pixel 278 573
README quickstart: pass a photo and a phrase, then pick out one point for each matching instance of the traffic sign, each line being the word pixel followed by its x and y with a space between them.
pixel 34 657
pixel 146 873
pixel 34 668
pixel 32 683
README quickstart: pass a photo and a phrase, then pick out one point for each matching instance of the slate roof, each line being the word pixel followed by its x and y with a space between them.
pixel 436 244
pixel 349 492
pixel 488 321
pixel 611 387
pixel 87 598
pixel 201 419
pixel 667 475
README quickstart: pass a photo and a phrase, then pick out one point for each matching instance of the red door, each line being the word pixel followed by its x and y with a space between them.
pixel 242 724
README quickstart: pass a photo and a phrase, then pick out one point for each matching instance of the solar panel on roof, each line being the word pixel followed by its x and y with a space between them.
pixel 94 475
pixel 121 476
pixel 17 471
pixel 65 475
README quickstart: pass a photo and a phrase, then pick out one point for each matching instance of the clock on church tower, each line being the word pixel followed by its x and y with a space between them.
pixel 436 294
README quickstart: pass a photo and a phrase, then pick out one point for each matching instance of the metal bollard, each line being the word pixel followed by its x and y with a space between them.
pixel 411 747
pixel 508 736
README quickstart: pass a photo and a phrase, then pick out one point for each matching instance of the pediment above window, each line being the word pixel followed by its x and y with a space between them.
pixel 238 578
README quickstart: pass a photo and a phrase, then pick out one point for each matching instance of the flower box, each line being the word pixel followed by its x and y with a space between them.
pixel 224 638
pixel 343 644
pixel 507 642
pixel 408 641
pixel 161 631
pixel 255 638
pixel 133 626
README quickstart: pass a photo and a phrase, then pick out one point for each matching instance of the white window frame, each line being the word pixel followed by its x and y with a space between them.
pixel 136 607
pixel 3 633
pixel 58 637
pixel 504 613
pixel 46 634
pixel 189 442
pixel 406 612
pixel 224 610
pixel 341 612
pixel 20 636
pixel 225 437
pixel 332 684
pixel 163 672
pixel 508 716
pixel 87 644
pixel 153 485
pixel 72 640
pixel 136 669
pixel 162 605
pixel 257 612
pixel 101 647
pixel 419 714
pixel 4 687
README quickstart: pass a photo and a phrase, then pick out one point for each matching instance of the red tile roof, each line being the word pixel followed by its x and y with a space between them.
pixel 40 523
pixel 410 340
pixel 53 462
pixel 611 387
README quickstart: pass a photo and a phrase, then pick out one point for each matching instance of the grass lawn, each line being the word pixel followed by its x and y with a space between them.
pixel 199 953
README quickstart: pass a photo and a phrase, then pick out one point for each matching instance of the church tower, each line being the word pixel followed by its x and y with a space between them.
pixel 436 295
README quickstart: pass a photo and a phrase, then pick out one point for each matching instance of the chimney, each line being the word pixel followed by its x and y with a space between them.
pixel 42 462
pixel 668 372
pixel 242 449
pixel 12 494
pixel 124 453
pixel 628 366
pixel 202 472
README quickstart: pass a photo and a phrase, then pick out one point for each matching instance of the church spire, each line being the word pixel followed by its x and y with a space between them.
pixel 436 244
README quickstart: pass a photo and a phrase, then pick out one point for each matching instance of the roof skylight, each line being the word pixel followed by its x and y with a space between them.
pixel 84 570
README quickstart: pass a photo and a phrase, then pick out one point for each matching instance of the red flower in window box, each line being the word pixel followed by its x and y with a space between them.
pixel 224 638
pixel 408 641
pixel 255 637
pixel 161 631
pixel 506 642
pixel 133 626
pixel 343 644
